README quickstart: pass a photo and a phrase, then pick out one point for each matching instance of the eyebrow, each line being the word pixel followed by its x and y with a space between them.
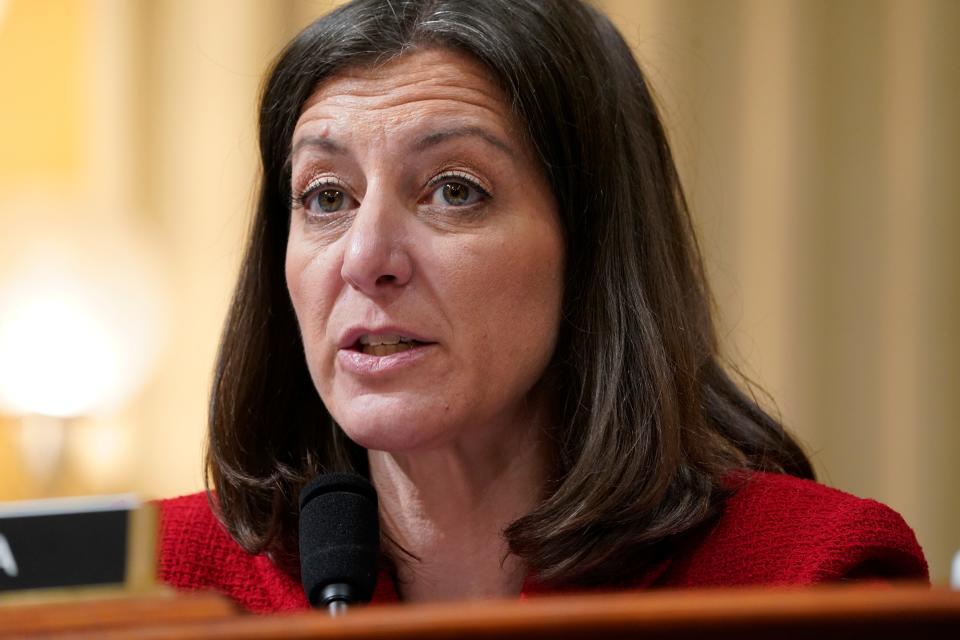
pixel 320 142
pixel 461 132
pixel 427 141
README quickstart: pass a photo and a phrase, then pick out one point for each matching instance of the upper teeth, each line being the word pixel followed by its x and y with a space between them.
pixel 392 339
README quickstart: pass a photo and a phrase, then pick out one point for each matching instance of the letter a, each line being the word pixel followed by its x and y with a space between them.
pixel 7 561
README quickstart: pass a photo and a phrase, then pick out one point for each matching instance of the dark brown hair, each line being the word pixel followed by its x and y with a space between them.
pixel 652 424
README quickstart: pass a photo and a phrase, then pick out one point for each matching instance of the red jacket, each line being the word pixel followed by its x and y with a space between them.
pixel 775 529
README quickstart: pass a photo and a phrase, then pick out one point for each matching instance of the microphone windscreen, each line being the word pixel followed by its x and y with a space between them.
pixel 339 535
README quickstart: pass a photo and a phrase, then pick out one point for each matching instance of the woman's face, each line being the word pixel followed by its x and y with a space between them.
pixel 425 255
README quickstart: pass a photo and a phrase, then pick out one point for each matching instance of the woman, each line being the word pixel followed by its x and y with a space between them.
pixel 472 277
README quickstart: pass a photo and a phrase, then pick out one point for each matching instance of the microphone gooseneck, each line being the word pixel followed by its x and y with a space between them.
pixel 339 541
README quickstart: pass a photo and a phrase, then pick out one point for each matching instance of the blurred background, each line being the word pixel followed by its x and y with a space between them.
pixel 819 142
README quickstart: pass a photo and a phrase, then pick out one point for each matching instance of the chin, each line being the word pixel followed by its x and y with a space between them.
pixel 392 436
pixel 393 426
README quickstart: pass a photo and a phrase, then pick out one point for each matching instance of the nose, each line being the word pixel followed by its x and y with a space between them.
pixel 376 259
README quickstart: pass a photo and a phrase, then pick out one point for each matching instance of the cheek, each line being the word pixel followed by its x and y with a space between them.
pixel 311 292
pixel 513 292
pixel 537 290
pixel 296 271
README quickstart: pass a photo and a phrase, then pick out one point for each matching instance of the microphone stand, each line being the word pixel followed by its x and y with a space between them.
pixel 337 597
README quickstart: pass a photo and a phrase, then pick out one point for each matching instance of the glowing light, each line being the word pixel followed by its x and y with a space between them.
pixel 56 356
pixel 82 318
pixel 81 314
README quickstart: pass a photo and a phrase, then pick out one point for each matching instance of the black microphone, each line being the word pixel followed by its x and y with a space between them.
pixel 339 540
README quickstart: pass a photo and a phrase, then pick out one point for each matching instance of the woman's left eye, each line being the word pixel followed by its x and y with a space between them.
pixel 457 192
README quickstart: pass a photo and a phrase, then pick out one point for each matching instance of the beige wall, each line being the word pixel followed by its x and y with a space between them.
pixel 818 141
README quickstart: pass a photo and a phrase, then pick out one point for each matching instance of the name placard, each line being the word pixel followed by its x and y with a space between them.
pixel 75 542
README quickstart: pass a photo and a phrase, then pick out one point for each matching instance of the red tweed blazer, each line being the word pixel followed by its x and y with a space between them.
pixel 774 530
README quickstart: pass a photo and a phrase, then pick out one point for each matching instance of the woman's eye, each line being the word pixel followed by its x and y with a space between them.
pixel 324 200
pixel 330 200
pixel 457 194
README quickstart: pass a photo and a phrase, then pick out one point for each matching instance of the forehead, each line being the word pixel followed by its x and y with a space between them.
pixel 408 90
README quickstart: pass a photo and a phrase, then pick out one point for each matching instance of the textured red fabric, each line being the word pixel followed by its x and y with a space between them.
pixel 774 530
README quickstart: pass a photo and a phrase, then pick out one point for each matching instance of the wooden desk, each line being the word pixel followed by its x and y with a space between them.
pixel 100 613
pixel 849 612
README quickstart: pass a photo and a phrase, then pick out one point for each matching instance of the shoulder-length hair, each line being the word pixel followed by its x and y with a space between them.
pixel 652 425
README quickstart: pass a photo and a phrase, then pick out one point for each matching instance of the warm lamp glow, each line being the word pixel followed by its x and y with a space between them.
pixel 57 357
pixel 82 310
pixel 81 313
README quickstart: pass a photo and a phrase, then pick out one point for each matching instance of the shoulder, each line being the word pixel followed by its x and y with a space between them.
pixel 195 552
pixel 778 529
pixel 192 543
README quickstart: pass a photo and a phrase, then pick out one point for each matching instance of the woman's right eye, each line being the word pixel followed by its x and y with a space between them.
pixel 324 199
pixel 329 200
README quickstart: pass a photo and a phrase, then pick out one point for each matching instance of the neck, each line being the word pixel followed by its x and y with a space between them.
pixel 448 507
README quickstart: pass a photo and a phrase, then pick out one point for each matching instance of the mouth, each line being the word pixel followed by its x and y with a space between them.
pixel 385 345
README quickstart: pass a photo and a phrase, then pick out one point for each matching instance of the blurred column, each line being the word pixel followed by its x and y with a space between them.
pixel 767 191
pixel 902 215
pixel 936 431
pixel 199 76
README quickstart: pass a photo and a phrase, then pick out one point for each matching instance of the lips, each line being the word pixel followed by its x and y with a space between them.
pixel 381 341
pixel 385 345
pixel 379 354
